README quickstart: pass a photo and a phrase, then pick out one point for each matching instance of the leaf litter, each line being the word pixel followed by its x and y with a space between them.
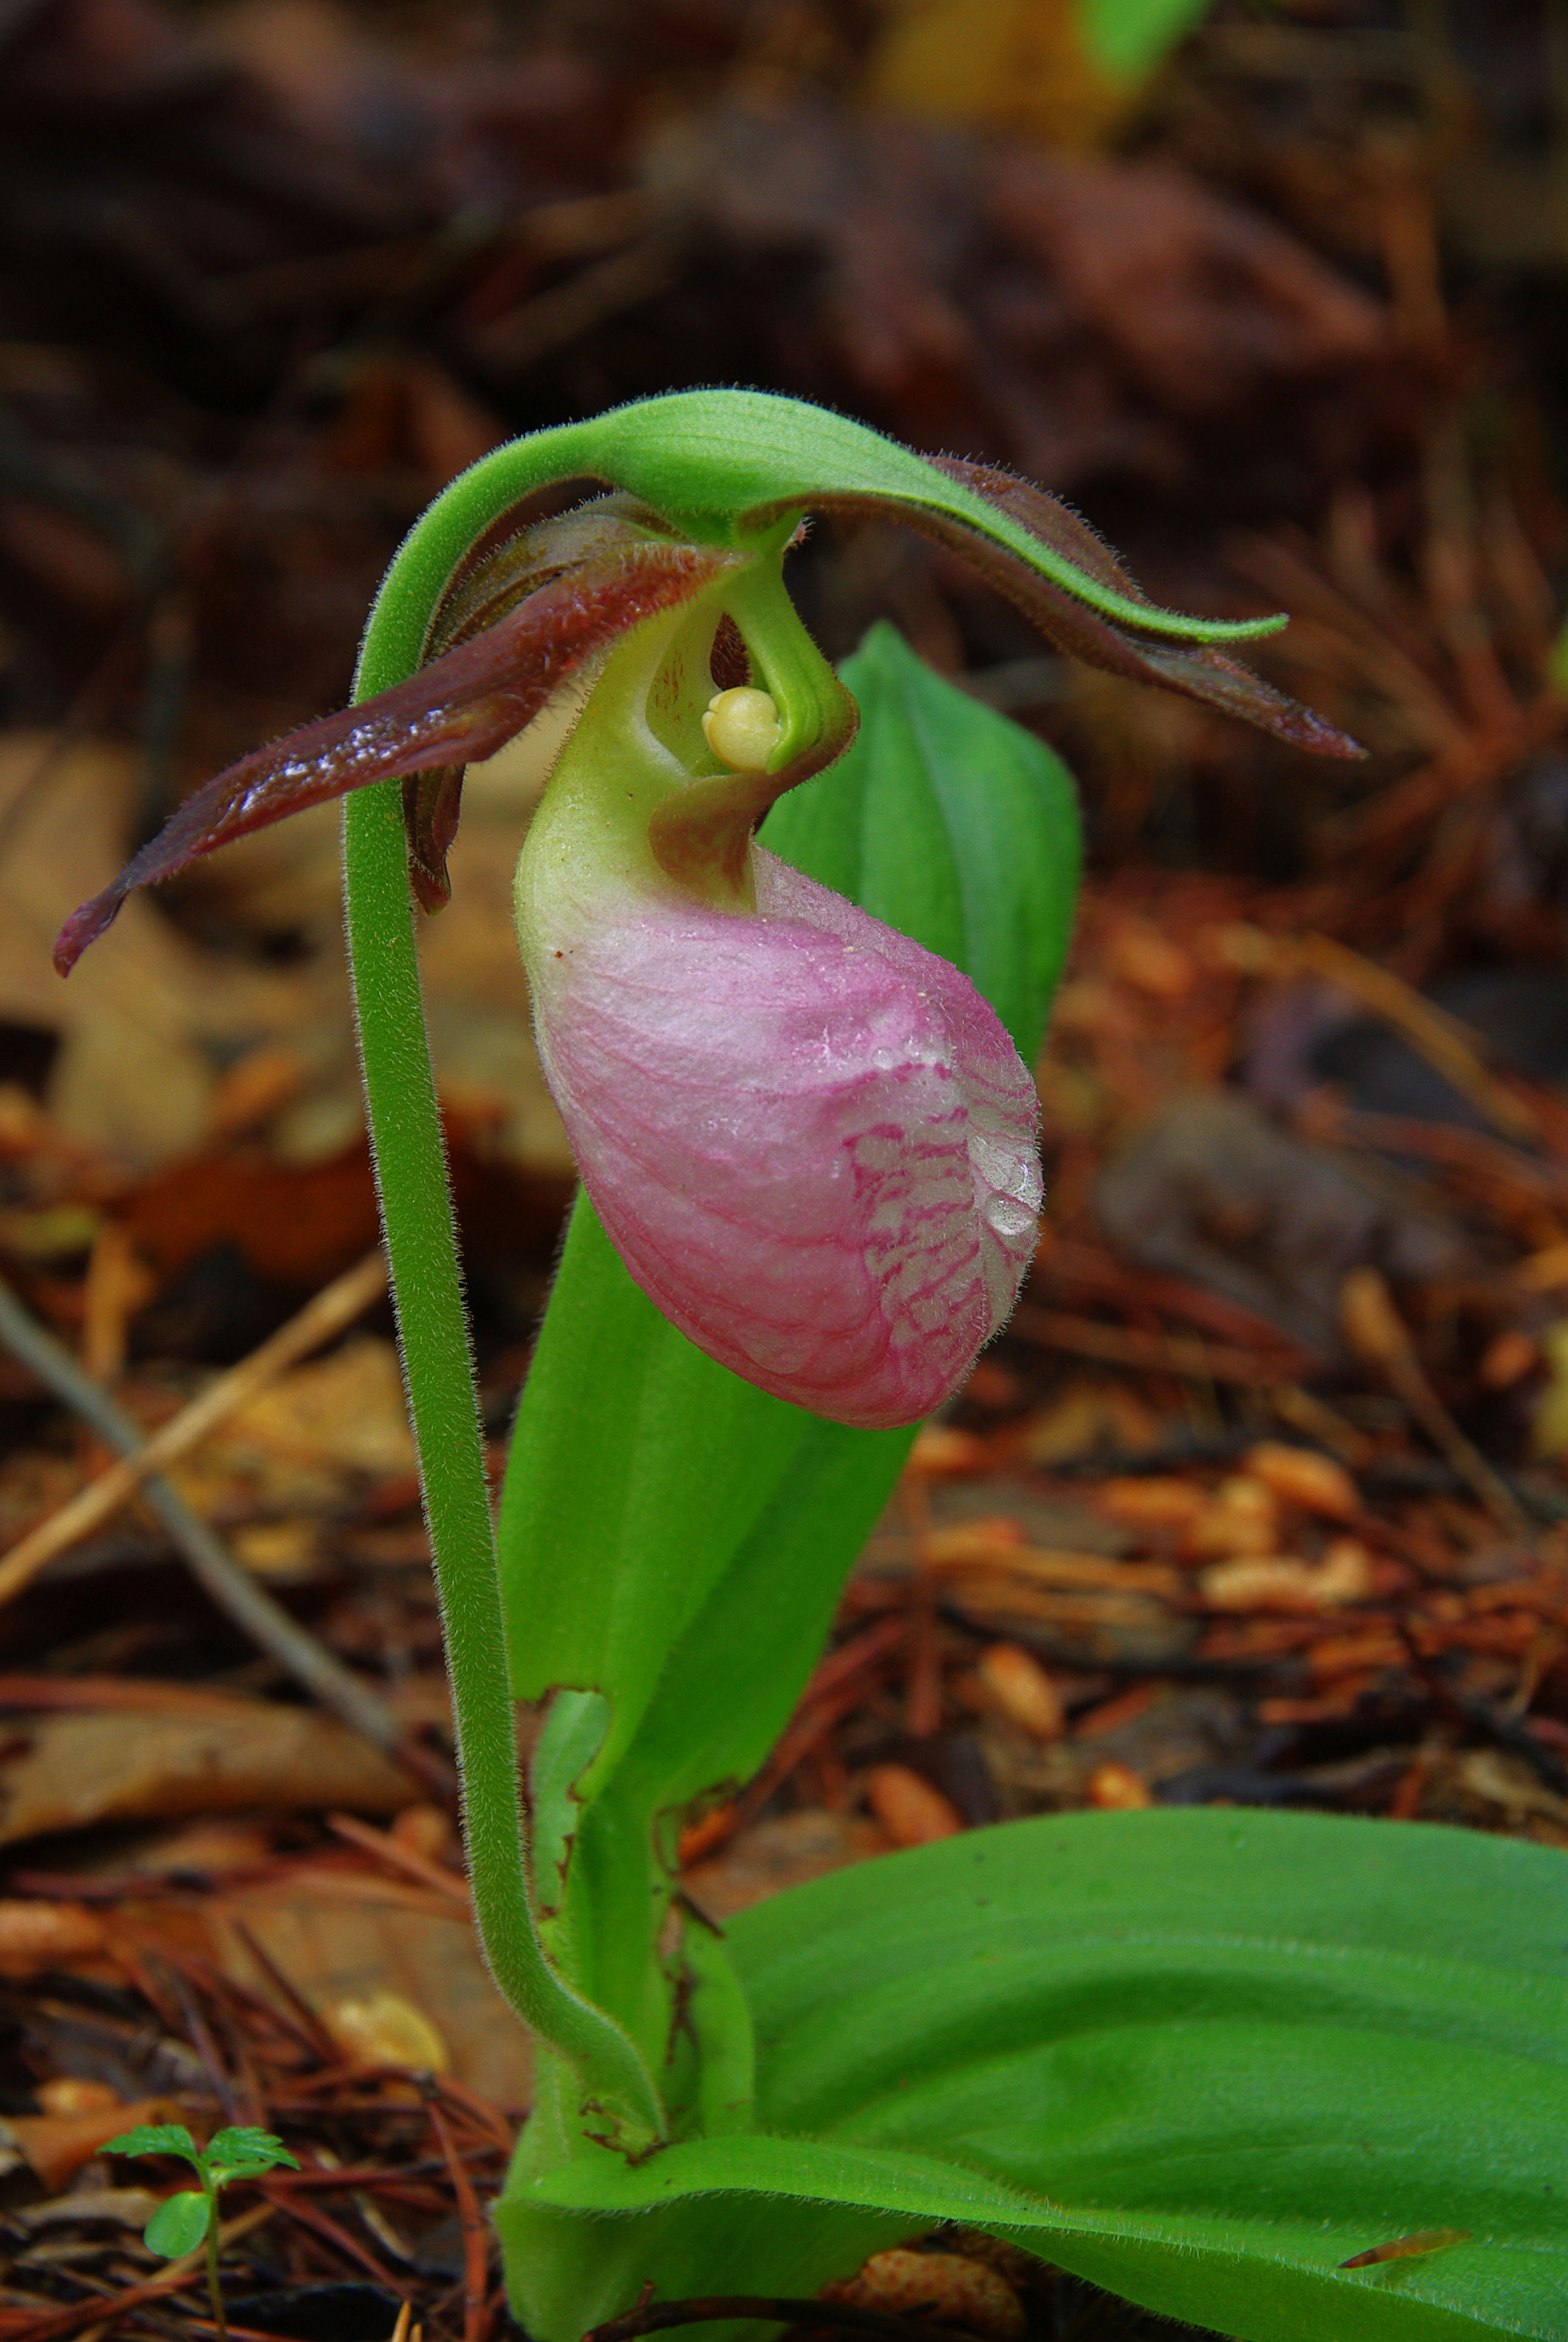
pixel 1260 1499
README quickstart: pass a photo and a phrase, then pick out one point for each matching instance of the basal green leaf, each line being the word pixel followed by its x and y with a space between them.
pixel 637 1470
pixel 958 826
pixel 675 1541
pixel 1277 2280
pixel 572 1734
pixel 570 2269
pixel 724 1694
pixel 179 2224
pixel 1253 2044
pixel 1202 2057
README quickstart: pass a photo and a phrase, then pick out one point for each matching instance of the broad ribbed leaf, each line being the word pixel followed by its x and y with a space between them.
pixel 666 1530
pixel 637 1468
pixel 1223 2053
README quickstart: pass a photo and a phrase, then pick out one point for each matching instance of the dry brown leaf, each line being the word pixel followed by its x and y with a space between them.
pixel 380 1948
pixel 132 1076
pixel 1549 1429
pixel 1242 1516
pixel 1508 1781
pixel 1158 1503
pixel 942 1452
pixel 1280 1582
pixel 1039 1566
pixel 1508 1357
pixel 947 2288
pixel 1018 1687
pixel 282 1551
pixel 1091 1411
pixel 76 1770
pixel 385 2028
pixel 910 1809
pixel 1300 1477
pixel 63 2094
pixel 1116 1788
pixel 786 1850
pixel 1363 1651
pixel 207 1847
pixel 345 1410
pixel 1204 299
pixel 148 1017
pixel 1140 954
pixel 57 2144
pixel 38 1935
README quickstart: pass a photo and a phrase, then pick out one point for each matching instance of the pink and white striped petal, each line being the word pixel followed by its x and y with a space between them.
pixel 811 1140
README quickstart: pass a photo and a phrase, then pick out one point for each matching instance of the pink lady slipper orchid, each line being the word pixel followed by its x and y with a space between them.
pixel 811 1140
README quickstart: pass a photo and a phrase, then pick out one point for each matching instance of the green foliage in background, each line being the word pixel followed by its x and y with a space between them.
pixel 1129 39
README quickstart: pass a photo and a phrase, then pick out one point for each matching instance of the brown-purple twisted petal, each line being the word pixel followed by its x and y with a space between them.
pixel 1197 671
pixel 464 706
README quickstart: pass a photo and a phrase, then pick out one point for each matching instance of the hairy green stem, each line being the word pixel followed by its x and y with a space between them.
pixel 427 1282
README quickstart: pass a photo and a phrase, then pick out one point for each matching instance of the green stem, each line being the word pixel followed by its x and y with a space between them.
pixel 426 1281
pixel 215 2282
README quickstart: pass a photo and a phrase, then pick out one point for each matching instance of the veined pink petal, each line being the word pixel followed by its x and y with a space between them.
pixel 811 1141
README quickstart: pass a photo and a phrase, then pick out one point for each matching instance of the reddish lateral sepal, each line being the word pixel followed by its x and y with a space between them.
pixel 1198 673
pixel 464 706
pixel 432 802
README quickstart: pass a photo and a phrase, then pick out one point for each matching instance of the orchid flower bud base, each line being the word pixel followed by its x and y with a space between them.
pixel 811 1140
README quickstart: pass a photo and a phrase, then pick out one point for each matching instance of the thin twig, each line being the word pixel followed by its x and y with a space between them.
pixel 296 2011
pixel 331 2232
pixel 331 1312
pixel 1169 1354
pixel 1378 1334
pixel 233 1588
pixel 475 2243
pixel 75 2318
pixel 1449 1047
pixel 405 1861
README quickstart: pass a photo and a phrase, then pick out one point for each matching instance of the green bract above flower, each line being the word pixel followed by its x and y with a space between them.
pixel 483 617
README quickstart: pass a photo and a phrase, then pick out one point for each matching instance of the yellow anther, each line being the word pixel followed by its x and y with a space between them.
pixel 741 727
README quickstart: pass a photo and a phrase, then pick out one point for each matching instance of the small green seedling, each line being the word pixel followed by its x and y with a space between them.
pixel 182 2221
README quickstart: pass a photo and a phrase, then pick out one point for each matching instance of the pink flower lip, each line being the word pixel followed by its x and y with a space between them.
pixel 811 1140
